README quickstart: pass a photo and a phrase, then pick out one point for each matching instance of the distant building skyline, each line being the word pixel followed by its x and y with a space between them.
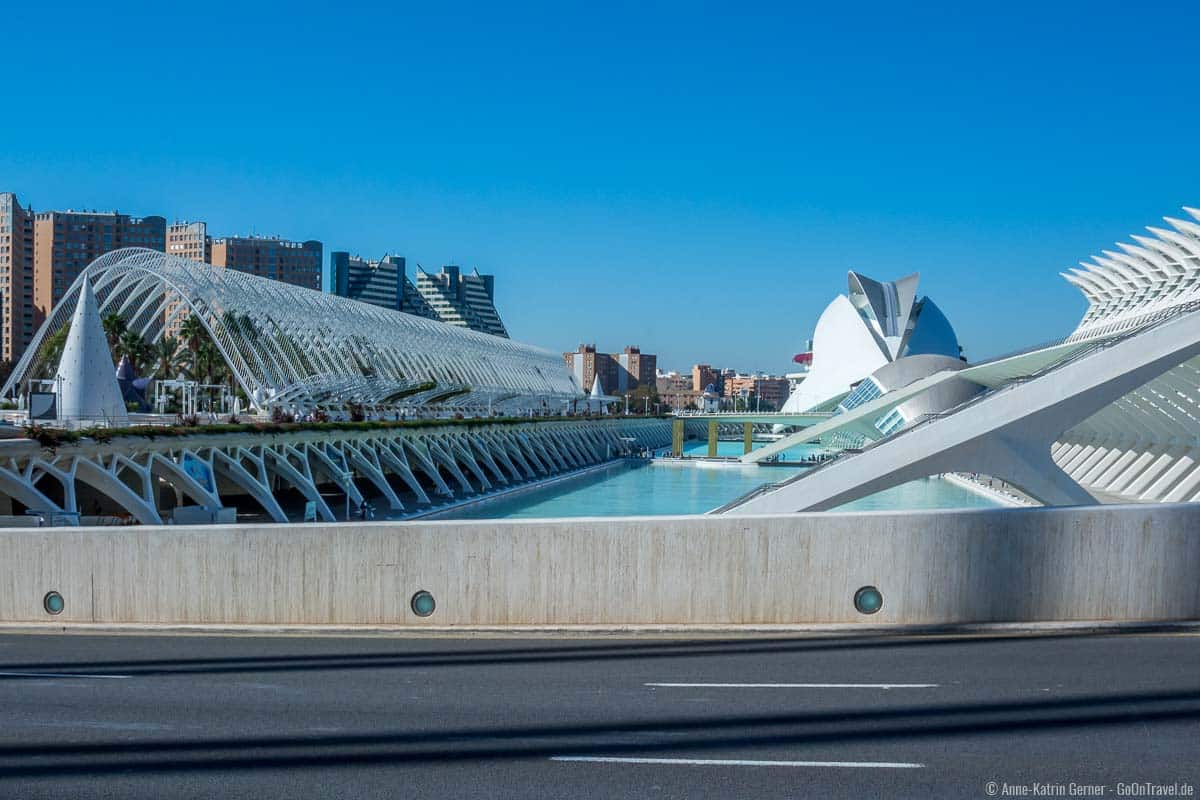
pixel 297 263
pixel 43 252
pixel 189 240
pixel 619 373
pixel 380 283
pixel 467 301
pixel 65 242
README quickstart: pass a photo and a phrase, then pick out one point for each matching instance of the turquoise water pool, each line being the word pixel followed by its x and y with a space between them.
pixel 656 489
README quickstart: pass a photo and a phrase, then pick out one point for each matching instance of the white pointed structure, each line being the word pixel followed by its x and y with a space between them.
pixel 88 392
pixel 597 399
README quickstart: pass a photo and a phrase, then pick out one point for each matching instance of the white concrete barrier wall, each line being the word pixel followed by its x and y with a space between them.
pixel 1002 565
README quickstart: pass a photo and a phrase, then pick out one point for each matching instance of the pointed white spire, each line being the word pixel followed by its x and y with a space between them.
pixel 89 390
pixel 597 392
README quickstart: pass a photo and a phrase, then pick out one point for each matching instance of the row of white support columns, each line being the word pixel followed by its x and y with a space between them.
pixel 445 462
pixel 1143 448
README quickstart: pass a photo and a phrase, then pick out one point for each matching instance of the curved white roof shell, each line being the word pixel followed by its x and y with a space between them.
pixel 1139 282
pixel 294 347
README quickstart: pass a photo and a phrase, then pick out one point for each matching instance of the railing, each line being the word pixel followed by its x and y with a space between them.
pixel 750 413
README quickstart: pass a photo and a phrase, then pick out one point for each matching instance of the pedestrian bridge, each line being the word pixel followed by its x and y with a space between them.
pixel 786 419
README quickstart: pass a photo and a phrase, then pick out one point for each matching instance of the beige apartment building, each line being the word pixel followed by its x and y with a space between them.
pixel 704 376
pixel 676 391
pixel 65 242
pixel 17 315
pixel 764 392
pixel 190 240
pixel 42 254
pixel 297 263
pixel 619 372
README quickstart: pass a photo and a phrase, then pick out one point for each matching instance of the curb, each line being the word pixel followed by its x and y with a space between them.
pixel 998 629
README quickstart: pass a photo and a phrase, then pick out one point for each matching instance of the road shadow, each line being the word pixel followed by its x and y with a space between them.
pixel 675 735
pixel 472 653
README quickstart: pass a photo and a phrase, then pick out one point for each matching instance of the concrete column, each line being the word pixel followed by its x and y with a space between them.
pixel 712 439
pixel 747 437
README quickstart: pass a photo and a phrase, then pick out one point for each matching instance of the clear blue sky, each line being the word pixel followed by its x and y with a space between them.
pixel 692 178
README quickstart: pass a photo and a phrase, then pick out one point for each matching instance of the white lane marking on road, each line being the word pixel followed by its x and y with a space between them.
pixel 59 675
pixel 741 762
pixel 796 685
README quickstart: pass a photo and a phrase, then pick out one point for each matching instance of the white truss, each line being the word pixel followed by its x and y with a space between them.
pixel 294 347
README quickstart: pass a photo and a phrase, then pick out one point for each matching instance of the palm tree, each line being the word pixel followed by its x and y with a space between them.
pixel 51 352
pixel 166 357
pixel 134 347
pixel 114 329
pixel 209 366
pixel 193 334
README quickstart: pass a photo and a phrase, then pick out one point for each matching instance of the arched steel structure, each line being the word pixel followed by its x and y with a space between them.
pixel 293 347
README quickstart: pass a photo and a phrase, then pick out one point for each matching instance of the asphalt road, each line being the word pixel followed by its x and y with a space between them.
pixel 228 717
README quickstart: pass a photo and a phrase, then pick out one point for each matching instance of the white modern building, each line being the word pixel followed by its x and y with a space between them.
pixel 1110 413
pixel 876 323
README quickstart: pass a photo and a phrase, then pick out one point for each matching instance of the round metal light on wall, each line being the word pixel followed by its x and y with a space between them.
pixel 868 600
pixel 422 604
pixel 53 603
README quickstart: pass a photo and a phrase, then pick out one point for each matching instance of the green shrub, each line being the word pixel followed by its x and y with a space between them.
pixel 55 437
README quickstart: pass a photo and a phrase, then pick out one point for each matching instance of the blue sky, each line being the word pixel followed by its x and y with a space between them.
pixel 692 178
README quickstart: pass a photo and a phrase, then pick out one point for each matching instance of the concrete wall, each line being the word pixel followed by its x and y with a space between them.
pixel 1096 563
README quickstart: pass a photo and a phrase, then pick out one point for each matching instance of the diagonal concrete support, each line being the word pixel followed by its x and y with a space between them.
pixel 366 462
pixel 393 457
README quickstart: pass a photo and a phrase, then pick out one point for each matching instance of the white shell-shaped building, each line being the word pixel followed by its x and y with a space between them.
pixel 875 323
pixel 296 348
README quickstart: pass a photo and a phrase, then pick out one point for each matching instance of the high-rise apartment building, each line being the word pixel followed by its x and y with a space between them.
pixel 190 240
pixel 65 242
pixel 380 283
pixel 634 369
pixel 17 315
pixel 297 263
pixel 619 372
pixel 585 364
pixel 464 300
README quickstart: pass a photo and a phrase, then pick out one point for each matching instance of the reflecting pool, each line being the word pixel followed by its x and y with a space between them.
pixel 655 489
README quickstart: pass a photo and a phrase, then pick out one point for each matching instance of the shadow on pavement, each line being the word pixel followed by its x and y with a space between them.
pixel 655 736
pixel 554 651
